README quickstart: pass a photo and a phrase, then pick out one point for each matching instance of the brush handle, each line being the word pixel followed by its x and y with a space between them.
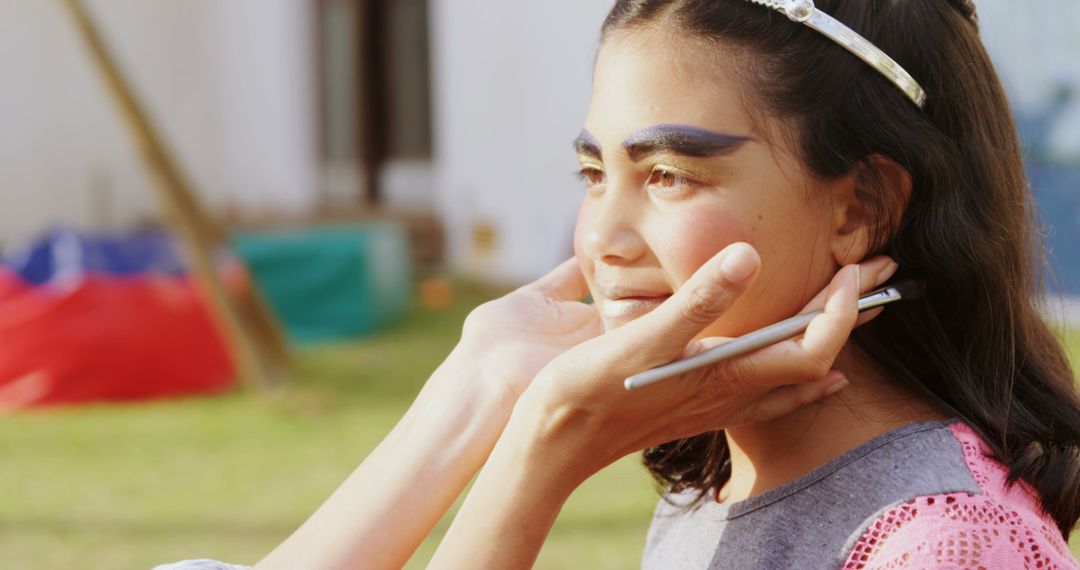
pixel 748 342
pixel 752 341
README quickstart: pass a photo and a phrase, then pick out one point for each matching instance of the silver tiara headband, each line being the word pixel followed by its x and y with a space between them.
pixel 805 12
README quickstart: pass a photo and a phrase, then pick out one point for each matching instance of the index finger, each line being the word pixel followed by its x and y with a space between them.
pixel 564 283
pixel 872 273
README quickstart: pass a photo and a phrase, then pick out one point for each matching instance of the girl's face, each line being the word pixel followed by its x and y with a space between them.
pixel 675 172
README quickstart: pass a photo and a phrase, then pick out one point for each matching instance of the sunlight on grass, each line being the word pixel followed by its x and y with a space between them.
pixel 132 486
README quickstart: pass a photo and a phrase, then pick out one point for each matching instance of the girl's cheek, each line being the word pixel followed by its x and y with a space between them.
pixel 696 236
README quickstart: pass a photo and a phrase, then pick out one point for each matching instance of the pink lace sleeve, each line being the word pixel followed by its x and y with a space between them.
pixel 1001 528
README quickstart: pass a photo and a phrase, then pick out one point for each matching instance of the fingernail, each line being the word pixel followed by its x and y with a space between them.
pixel 739 263
pixel 837 386
pixel 886 273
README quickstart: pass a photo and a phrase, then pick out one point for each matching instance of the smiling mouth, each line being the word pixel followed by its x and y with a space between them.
pixel 630 306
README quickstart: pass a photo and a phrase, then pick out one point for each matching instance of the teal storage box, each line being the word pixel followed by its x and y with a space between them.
pixel 333 282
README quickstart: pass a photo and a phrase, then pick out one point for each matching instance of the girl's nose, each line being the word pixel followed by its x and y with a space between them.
pixel 610 228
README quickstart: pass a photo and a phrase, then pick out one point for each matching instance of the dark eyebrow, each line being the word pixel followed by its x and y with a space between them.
pixel 680 139
pixel 586 145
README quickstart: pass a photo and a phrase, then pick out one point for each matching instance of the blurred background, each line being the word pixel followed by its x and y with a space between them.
pixel 290 111
pixel 356 175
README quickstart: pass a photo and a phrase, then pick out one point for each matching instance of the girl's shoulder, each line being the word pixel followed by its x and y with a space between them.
pixel 1001 527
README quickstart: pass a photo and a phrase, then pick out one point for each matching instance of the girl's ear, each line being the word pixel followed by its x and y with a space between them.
pixel 870 200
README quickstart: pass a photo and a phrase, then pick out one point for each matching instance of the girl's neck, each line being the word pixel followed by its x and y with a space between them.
pixel 769 454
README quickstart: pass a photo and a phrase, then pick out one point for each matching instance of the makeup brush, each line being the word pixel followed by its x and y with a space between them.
pixel 783 330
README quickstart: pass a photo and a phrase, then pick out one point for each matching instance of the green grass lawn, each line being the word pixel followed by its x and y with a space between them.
pixel 131 486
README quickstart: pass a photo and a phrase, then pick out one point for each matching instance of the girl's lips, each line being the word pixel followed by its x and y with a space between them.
pixel 630 306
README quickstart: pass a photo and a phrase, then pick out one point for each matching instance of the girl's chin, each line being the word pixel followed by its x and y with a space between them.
pixel 610 324
pixel 618 312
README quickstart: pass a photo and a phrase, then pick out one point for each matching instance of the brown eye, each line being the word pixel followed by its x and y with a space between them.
pixel 669 182
pixel 591 176
pixel 663 178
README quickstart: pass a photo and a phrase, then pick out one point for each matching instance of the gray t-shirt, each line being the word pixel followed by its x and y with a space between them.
pixel 815 520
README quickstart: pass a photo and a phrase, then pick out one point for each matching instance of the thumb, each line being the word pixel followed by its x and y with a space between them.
pixel 662 334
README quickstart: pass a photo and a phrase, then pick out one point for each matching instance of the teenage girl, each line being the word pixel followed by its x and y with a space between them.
pixel 742 162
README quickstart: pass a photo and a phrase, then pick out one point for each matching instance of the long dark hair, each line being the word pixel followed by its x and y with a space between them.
pixel 976 347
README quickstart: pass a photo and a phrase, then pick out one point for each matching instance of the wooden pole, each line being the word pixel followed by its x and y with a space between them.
pixel 197 232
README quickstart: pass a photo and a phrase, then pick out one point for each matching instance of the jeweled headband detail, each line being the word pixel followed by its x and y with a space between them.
pixel 805 12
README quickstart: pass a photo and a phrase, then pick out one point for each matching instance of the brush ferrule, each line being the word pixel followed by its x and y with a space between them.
pixel 878 298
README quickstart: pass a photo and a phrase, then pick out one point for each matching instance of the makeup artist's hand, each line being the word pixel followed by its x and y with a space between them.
pixel 581 392
pixel 510 339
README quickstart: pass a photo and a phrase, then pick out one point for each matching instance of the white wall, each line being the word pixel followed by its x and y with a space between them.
pixel 266 88
pixel 226 82
pixel 512 85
